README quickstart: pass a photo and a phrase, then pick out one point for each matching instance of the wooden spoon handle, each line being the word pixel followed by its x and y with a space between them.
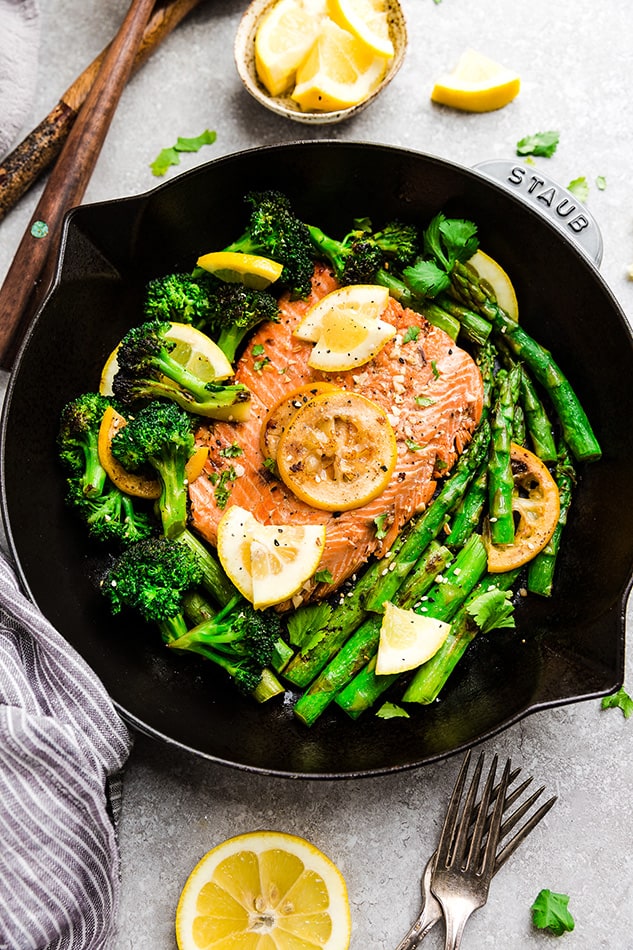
pixel 29 274
pixel 37 152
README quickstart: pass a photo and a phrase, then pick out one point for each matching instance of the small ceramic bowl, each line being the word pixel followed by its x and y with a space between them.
pixel 244 51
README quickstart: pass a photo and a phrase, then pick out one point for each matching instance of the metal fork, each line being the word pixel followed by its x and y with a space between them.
pixel 431 911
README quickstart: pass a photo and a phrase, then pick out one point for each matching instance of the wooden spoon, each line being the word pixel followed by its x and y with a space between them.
pixel 31 271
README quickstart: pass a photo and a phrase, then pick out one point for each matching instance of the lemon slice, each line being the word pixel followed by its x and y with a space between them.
pixel 132 483
pixel 236 268
pixel 477 84
pixel 346 328
pixel 197 352
pixel 338 452
pixel 279 416
pixel 366 19
pixel 283 40
pixel 109 371
pixel 339 72
pixel 407 639
pixel 498 281
pixel 267 563
pixel 264 889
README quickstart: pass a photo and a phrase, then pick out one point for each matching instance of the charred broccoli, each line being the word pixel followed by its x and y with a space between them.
pixel 364 253
pixel 235 310
pixel 160 435
pixel 111 517
pixel 177 297
pixel 78 438
pixel 147 370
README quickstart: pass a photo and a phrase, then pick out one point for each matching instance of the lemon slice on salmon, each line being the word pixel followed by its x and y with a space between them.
pixel 236 268
pixel 279 416
pixel 267 563
pixel 407 640
pixel 338 452
pixel 264 889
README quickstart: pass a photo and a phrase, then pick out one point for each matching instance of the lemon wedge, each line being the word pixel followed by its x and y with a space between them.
pixel 339 72
pixel 267 563
pixel 237 268
pixel 477 84
pixel 264 889
pixel 109 371
pixel 197 352
pixel 493 274
pixel 407 640
pixel 366 19
pixel 346 328
pixel 131 483
pixel 283 40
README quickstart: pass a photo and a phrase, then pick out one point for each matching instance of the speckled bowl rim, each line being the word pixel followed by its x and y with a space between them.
pixel 244 53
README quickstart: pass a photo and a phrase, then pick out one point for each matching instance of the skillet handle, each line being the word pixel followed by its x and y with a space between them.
pixel 556 203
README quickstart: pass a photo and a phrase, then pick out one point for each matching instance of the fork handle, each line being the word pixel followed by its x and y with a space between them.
pixel 429 916
pixel 456 916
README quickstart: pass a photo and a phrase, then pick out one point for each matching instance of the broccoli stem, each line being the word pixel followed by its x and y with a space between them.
pixel 428 526
pixel 268 687
pixel 360 647
pixel 540 577
pixel 214 580
pixel 444 599
pixel 500 477
pixel 576 426
pixel 173 500
pixel 172 628
pixel 431 677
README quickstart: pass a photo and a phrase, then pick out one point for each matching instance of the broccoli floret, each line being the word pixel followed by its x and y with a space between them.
pixel 239 639
pixel 235 310
pixel 78 439
pixel 177 297
pixel 147 370
pixel 275 231
pixel 363 254
pixel 160 435
pixel 111 517
pixel 152 577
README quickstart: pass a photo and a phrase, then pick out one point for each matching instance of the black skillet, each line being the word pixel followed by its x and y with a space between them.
pixel 567 648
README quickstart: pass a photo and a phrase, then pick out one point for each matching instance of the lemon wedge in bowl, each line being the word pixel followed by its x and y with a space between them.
pixel 366 19
pixel 407 640
pixel 283 40
pixel 477 84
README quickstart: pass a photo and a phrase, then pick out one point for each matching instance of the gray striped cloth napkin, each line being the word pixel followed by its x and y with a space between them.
pixel 61 746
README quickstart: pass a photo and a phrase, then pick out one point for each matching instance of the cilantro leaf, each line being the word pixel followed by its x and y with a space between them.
pixel 307 621
pixel 381 524
pixel 620 700
pixel 549 912
pixel 426 279
pixel 601 182
pixel 171 156
pixel 391 711
pixel 323 576
pixel 580 188
pixel 543 144
pixel 460 238
pixel 492 609
pixel 411 334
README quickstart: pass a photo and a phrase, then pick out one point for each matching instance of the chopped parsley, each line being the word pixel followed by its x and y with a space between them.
pixel 411 335
pixel 434 369
pixel 391 711
pixel 223 485
pixel 232 451
pixel 424 401
pixel 413 446
pixel 381 526
pixel 259 364
pixel 171 156
pixel 549 912
pixel 258 350
pixel 323 577
pixel 601 182
pixel 543 144
pixel 620 700
pixel 580 188
pixel 492 609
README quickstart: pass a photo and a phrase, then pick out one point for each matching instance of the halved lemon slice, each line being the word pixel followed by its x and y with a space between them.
pixel 536 508
pixel 132 483
pixel 198 353
pixel 339 72
pixel 278 418
pixel 346 328
pixel 407 639
pixel 237 268
pixel 366 19
pixel 267 563
pixel 477 84
pixel 493 274
pixel 109 371
pixel 264 889
pixel 338 452
pixel 283 40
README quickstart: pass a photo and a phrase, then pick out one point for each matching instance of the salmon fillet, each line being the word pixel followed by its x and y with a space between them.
pixel 430 388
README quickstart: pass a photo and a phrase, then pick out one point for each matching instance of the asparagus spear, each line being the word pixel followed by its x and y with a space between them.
pixel 361 646
pixel 469 511
pixel 536 420
pixel 541 570
pixel 500 478
pixel 576 426
pixel 443 601
pixel 428 526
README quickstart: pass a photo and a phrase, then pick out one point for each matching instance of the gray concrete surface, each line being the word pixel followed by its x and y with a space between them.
pixel 576 62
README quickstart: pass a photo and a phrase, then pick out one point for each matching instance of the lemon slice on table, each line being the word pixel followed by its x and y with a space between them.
pixel 536 508
pixel 407 639
pixel 264 889
pixel 236 268
pixel 366 19
pixel 131 483
pixel 338 452
pixel 339 72
pixel 346 328
pixel 283 40
pixel 279 416
pixel 267 563
pixel 493 274
pixel 477 84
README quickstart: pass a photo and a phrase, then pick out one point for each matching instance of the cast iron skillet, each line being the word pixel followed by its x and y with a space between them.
pixel 566 648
